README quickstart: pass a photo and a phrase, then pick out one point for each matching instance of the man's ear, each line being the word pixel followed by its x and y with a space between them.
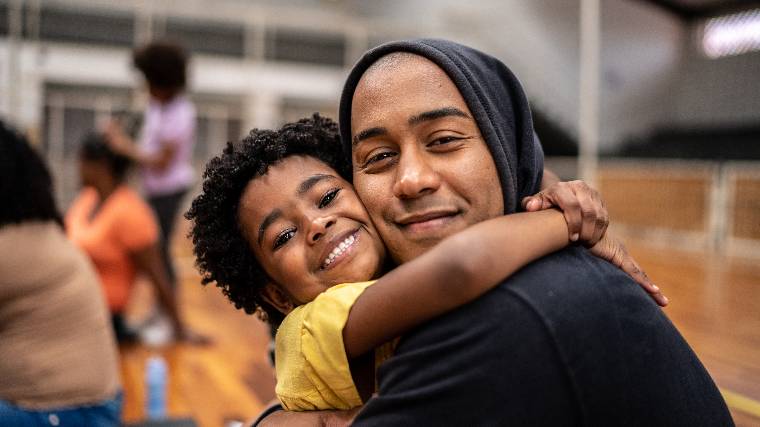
pixel 274 295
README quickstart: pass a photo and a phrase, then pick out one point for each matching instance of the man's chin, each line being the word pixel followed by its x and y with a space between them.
pixel 413 242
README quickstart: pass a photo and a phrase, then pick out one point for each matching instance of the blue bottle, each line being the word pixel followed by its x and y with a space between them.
pixel 155 385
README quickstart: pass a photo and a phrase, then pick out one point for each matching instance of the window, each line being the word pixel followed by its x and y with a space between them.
pixel 61 25
pixel 295 109
pixel 4 19
pixel 219 121
pixel 732 34
pixel 207 37
pixel 301 46
pixel 70 113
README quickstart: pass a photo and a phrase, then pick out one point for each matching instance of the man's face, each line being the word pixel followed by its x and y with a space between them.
pixel 421 166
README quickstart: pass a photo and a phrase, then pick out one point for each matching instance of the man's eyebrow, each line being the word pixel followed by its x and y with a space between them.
pixel 311 181
pixel 369 133
pixel 437 114
pixel 422 117
pixel 272 217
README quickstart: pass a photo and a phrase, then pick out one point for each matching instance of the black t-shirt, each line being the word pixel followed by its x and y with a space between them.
pixel 569 340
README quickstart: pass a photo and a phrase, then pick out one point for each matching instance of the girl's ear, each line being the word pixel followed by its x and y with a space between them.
pixel 273 295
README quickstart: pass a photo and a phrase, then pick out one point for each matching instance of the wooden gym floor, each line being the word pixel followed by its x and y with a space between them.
pixel 715 302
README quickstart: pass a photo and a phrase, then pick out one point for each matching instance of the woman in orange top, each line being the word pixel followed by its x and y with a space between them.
pixel 118 231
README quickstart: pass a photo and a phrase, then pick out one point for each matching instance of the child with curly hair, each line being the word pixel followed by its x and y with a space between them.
pixel 280 229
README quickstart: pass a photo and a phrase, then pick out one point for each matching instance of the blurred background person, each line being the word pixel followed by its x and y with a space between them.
pixel 165 147
pixel 118 231
pixel 58 359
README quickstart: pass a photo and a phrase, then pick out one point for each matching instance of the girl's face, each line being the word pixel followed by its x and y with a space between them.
pixel 308 229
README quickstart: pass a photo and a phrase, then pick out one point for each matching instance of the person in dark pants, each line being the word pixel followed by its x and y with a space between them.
pixel 166 143
pixel 166 208
pixel 566 341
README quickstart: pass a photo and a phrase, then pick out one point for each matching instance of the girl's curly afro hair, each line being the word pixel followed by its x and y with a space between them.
pixel 223 255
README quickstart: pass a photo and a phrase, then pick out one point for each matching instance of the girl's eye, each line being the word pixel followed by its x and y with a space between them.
pixel 283 238
pixel 328 197
pixel 379 157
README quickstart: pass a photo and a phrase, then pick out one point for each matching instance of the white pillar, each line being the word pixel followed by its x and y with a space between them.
pixel 13 70
pixel 144 23
pixel 719 207
pixel 262 110
pixel 588 124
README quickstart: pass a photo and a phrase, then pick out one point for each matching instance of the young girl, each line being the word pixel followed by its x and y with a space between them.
pixel 278 228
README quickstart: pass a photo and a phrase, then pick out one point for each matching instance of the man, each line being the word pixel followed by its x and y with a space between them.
pixel 441 137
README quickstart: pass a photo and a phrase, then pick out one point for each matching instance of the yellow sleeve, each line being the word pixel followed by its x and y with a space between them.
pixel 311 363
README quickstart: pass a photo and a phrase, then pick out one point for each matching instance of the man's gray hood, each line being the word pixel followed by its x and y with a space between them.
pixel 495 98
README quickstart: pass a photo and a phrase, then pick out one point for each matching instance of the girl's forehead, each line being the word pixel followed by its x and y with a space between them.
pixel 301 165
pixel 285 181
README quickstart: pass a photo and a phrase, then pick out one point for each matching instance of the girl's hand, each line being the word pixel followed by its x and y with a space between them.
pixel 613 250
pixel 587 220
pixel 583 207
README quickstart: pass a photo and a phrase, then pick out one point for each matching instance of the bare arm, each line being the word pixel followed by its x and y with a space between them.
pixel 310 418
pixel 124 145
pixel 161 160
pixel 148 260
pixel 587 219
pixel 457 270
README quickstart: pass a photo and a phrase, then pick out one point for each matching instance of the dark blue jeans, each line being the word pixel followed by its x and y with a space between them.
pixel 103 414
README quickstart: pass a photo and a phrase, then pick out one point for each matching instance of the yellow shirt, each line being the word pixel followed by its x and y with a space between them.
pixel 310 357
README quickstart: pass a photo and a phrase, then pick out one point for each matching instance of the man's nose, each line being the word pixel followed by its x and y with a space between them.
pixel 415 176
pixel 318 226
